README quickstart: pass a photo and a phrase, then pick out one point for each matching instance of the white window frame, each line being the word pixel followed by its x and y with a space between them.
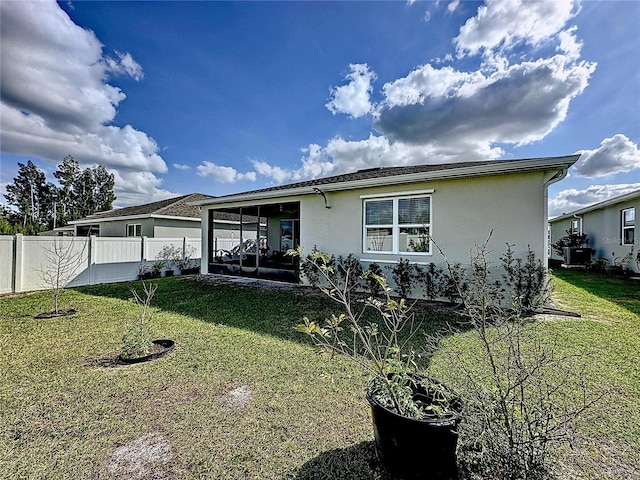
pixel 576 225
pixel 395 226
pixel 136 227
pixel 624 228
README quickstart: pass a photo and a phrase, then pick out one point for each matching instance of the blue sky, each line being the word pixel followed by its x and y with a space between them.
pixel 223 97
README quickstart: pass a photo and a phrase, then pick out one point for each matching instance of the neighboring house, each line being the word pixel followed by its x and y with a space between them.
pixel 171 218
pixel 384 214
pixel 610 226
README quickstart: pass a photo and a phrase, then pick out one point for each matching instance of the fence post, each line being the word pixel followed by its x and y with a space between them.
pixel 17 264
pixel 92 257
pixel 145 247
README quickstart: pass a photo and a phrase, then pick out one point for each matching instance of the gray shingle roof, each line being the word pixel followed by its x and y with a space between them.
pixel 386 172
pixel 172 207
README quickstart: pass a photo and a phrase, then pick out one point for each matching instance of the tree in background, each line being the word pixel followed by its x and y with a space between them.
pixel 67 173
pixel 41 205
pixel 31 195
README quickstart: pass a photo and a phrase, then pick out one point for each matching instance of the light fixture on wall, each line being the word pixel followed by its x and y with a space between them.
pixel 322 194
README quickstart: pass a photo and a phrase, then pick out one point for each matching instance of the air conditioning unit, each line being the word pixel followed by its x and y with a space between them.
pixel 577 255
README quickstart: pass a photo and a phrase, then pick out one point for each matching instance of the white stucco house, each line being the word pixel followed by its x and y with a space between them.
pixel 610 226
pixel 384 214
pixel 171 218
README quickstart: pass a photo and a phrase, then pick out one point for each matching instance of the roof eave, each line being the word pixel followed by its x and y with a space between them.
pixel 505 167
pixel 598 206
pixel 89 221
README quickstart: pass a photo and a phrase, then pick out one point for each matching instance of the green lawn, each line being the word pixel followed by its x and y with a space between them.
pixel 245 396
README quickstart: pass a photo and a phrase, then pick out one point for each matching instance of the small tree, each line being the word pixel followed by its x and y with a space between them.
pixel 63 260
pixel 571 239
pixel 522 396
pixel 138 342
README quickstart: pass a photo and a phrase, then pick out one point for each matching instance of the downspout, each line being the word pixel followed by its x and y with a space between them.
pixel 556 177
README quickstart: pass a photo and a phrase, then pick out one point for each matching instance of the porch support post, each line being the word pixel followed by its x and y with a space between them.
pixel 241 249
pixel 258 244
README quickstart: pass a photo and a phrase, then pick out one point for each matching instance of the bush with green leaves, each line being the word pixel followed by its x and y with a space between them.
pixel 381 345
pixel 404 277
pixel 572 240
pixel 522 394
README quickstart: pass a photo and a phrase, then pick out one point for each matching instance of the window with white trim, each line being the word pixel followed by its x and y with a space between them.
pixel 628 223
pixel 397 225
pixel 575 226
pixel 134 230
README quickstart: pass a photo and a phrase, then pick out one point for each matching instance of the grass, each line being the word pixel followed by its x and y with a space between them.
pixel 66 409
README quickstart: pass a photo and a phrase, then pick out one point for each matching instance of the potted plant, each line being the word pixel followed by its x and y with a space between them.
pixel 156 268
pixel 182 261
pixel 414 416
pixel 137 343
pixel 144 271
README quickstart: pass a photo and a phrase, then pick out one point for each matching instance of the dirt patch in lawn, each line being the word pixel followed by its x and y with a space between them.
pixel 147 457
pixel 237 398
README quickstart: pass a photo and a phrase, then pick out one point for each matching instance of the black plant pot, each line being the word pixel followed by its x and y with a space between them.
pixel 412 448
pixel 163 347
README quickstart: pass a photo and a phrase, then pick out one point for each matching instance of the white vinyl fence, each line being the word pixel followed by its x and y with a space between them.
pixel 26 262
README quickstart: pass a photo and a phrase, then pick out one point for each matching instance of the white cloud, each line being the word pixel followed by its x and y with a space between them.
pixel 223 174
pixel 452 6
pixel 342 156
pixel 55 99
pixel 617 154
pixel 353 98
pixel 278 174
pixel 519 104
pixel 571 199
pixel 180 166
pixel 427 82
pixel 125 65
pixel 569 44
pixel 137 188
pixel 501 24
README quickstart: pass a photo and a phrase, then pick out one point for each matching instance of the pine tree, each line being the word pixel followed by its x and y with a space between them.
pixel 31 195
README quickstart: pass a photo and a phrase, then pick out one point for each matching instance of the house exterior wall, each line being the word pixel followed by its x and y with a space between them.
pixel 153 228
pixel 464 213
pixel 169 228
pixel 118 228
pixel 603 226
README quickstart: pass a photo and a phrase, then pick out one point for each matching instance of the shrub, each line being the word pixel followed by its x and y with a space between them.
pixel 521 395
pixel 571 239
pixel 404 277
pixel 137 341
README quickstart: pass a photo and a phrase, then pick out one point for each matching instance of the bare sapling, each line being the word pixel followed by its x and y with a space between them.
pixel 138 342
pixel 63 260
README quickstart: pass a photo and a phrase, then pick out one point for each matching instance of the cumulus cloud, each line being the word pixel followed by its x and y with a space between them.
pixel 180 166
pixel 502 24
pixel 617 154
pixel 353 98
pixel 223 174
pixel 519 105
pixel 137 188
pixel 343 156
pixel 441 113
pixel 277 174
pixel 571 199
pixel 56 99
